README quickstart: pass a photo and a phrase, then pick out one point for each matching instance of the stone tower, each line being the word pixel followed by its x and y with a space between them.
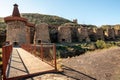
pixel 92 34
pixel 16 28
pixel 111 33
pixel 100 34
pixel 83 34
pixel 65 33
pixel 41 34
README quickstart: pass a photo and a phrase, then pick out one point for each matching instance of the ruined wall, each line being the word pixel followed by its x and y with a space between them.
pixel 110 33
pixel 92 34
pixel 65 33
pixel 32 33
pixel 27 35
pixel 100 34
pixel 83 34
pixel 41 34
pixel 16 32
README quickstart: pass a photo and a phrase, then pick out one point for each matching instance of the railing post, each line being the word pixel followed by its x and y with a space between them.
pixel 4 62
pixel 54 54
pixel 6 51
pixel 41 55
pixel 35 49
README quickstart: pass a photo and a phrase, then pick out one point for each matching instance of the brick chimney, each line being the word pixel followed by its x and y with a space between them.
pixel 16 11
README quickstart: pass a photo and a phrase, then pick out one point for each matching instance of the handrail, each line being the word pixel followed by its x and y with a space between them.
pixel 46 52
pixel 6 52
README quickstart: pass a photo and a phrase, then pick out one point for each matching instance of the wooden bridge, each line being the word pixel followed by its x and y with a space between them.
pixel 28 60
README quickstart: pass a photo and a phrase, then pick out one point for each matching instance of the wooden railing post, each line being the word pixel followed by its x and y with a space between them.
pixel 54 54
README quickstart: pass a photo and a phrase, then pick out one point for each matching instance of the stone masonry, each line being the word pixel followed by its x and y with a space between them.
pixel 18 31
pixel 41 34
pixel 110 34
pixel 83 34
pixel 100 34
pixel 65 33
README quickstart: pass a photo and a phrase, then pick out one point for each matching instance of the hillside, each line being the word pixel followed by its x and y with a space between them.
pixel 51 20
pixel 41 18
pixel 1 19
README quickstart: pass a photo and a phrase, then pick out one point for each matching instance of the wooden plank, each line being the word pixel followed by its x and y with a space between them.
pixel 23 63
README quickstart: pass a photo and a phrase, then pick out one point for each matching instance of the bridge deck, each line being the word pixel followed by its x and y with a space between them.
pixel 23 63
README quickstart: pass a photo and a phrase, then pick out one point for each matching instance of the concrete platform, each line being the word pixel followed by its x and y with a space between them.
pixel 22 63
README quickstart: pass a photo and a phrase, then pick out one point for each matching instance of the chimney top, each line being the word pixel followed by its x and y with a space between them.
pixel 16 11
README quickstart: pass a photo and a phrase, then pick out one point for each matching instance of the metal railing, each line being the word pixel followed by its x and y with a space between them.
pixel 46 52
pixel 6 52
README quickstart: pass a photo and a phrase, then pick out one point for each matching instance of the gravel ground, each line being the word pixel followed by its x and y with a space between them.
pixel 99 65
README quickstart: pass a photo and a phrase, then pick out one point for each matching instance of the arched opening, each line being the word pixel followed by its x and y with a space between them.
pixel 39 41
pixel 63 40
pixel 15 44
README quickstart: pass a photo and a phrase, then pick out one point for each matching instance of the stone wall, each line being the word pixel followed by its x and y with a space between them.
pixel 100 34
pixel 32 33
pixel 27 34
pixel 92 34
pixel 41 34
pixel 110 34
pixel 65 33
pixel 16 32
pixel 83 34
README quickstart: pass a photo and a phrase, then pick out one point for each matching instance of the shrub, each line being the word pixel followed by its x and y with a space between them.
pixel 91 47
pixel 118 43
pixel 100 44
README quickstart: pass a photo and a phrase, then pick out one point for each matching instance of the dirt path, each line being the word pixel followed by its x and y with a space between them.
pixel 99 65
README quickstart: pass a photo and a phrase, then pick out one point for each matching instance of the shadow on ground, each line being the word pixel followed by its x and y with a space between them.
pixel 68 72
pixel 74 74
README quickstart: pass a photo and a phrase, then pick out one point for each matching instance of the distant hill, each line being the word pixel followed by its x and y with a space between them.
pixel 41 18
pixel 51 20
pixel 1 19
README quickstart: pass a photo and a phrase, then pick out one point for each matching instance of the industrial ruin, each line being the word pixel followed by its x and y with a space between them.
pixel 20 31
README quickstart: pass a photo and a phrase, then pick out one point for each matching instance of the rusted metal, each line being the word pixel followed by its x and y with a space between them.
pixel 29 75
pixel 43 53
pixel 4 62
pixel 54 49
pixel 6 52
pixel 35 49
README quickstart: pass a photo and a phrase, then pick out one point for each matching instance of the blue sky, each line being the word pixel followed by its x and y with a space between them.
pixel 96 12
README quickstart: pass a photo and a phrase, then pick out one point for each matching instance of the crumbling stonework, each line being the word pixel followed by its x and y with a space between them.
pixel 16 32
pixel 19 31
pixel 100 34
pixel 41 34
pixel 110 33
pixel 65 33
pixel 83 34
pixel 92 34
